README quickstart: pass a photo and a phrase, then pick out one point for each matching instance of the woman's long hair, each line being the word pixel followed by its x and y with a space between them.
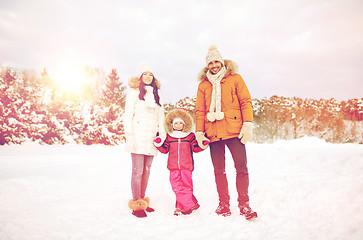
pixel 143 90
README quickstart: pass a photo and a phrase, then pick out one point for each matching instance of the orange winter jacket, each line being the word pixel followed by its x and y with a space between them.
pixel 236 104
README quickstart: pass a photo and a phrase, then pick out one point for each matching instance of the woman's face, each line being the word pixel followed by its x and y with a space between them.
pixel 147 77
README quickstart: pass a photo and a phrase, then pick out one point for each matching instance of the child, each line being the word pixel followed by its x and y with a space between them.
pixel 180 143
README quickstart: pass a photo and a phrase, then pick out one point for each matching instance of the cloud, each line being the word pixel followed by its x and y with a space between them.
pixel 303 48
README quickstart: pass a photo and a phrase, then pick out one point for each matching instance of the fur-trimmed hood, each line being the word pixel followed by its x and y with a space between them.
pixel 178 113
pixel 134 82
pixel 231 67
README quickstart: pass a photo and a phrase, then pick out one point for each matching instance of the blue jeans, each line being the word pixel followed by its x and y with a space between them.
pixel 141 165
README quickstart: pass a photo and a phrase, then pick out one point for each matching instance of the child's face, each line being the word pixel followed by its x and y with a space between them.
pixel 178 126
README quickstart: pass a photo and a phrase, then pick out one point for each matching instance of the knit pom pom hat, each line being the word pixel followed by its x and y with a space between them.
pixel 213 55
pixel 144 67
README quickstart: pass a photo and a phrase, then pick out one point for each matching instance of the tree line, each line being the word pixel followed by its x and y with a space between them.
pixel 33 108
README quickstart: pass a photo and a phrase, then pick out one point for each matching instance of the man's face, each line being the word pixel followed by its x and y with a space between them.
pixel 214 67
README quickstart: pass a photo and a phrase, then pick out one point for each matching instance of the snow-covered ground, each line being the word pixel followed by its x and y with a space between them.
pixel 301 189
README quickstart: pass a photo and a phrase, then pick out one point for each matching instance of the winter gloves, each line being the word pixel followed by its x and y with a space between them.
pixel 159 140
pixel 246 132
pixel 202 140
pixel 245 135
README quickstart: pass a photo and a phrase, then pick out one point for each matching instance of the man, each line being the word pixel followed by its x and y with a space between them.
pixel 224 117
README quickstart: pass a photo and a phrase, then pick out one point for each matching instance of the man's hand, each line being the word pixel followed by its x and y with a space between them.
pixel 246 132
pixel 201 139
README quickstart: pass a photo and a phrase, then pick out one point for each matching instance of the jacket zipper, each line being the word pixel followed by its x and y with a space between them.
pixel 179 153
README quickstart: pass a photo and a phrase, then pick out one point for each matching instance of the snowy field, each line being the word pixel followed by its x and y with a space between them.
pixel 301 189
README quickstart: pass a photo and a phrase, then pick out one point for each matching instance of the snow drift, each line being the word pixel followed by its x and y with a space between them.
pixel 301 189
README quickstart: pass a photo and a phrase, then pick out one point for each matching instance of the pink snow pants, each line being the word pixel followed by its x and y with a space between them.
pixel 182 185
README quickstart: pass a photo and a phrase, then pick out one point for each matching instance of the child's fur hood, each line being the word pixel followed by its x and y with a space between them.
pixel 230 65
pixel 178 113
pixel 134 82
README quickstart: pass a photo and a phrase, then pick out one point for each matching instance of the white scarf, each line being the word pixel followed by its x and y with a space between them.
pixel 178 134
pixel 215 109
pixel 149 97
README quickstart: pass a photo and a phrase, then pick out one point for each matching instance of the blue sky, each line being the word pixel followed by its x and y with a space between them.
pixel 303 48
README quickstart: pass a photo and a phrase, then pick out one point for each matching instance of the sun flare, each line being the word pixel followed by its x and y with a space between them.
pixel 71 80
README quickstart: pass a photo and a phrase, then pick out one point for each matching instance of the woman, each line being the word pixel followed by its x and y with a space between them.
pixel 144 118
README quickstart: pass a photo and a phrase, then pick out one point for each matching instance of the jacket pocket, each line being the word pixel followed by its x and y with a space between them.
pixel 233 121
pixel 209 128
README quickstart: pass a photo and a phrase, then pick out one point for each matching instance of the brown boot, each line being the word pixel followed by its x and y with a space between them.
pixel 138 207
pixel 148 209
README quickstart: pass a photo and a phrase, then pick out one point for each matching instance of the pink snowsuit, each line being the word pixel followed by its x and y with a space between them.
pixel 181 165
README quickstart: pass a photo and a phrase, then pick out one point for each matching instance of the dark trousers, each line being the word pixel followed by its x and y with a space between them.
pixel 238 152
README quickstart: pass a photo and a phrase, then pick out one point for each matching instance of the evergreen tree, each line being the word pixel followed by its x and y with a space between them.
pixel 48 87
pixel 10 102
pixel 114 90
pixel 45 79
pixel 32 108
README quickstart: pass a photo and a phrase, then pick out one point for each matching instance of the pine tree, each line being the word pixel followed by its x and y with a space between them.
pixel 10 102
pixel 114 90
pixel 49 87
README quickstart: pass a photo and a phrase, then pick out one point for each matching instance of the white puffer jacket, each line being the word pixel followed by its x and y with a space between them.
pixel 143 119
